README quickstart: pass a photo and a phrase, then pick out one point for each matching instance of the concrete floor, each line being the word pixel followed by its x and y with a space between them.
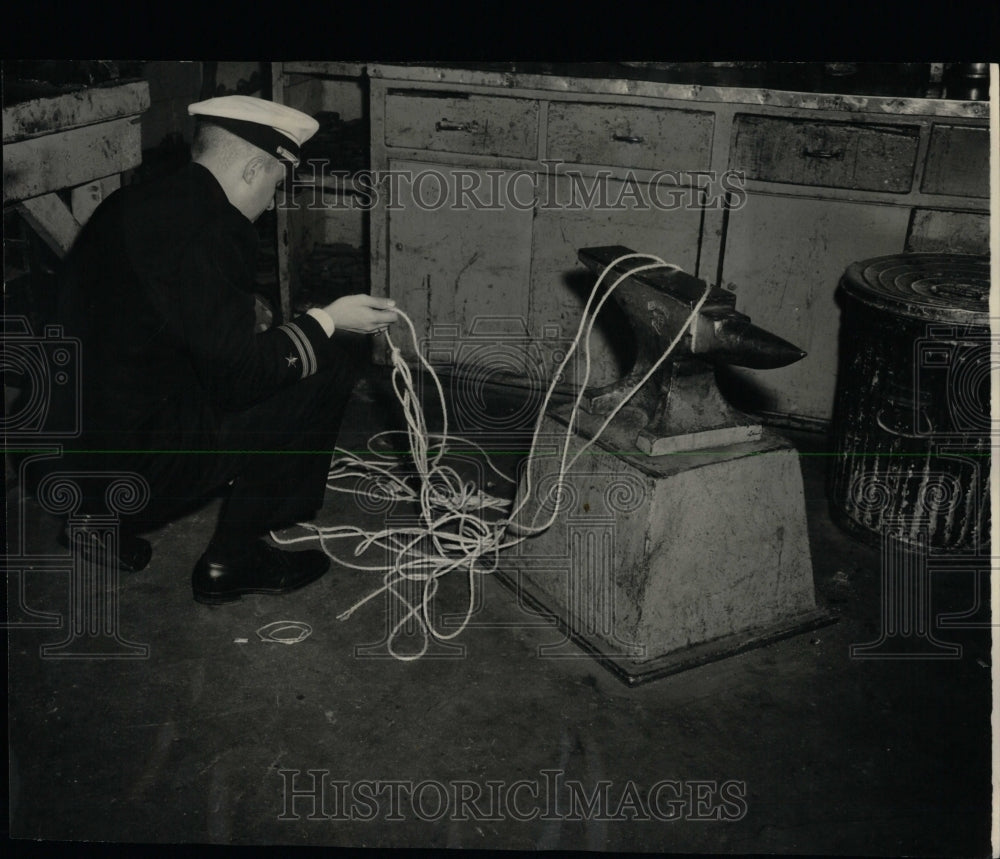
pixel 790 748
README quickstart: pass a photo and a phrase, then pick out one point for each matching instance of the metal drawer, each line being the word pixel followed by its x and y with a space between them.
pixel 637 137
pixel 943 232
pixel 456 122
pixel 958 161
pixel 828 154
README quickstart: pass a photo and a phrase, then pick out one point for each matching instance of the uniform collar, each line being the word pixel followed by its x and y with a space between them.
pixel 206 183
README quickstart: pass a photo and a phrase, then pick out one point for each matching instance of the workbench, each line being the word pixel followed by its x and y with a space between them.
pixel 824 179
pixel 62 155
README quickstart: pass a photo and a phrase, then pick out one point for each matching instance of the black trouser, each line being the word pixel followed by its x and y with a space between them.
pixel 276 454
pixel 280 474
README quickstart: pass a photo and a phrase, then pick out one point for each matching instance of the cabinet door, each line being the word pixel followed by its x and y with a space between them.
pixel 784 257
pixel 663 224
pixel 459 267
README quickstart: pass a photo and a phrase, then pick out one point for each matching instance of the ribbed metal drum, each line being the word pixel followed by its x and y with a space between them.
pixel 912 421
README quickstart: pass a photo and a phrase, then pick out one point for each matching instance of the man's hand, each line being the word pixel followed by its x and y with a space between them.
pixel 363 314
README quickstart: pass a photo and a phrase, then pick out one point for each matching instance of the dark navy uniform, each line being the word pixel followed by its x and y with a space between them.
pixel 177 385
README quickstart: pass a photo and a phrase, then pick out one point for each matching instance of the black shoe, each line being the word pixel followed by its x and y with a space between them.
pixel 134 553
pixel 260 569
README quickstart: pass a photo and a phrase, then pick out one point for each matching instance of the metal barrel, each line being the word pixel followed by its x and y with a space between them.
pixel 912 418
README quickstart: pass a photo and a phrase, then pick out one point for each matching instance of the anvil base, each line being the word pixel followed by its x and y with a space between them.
pixel 657 564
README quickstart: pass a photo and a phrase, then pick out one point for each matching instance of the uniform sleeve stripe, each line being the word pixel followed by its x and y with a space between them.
pixel 306 355
pixel 313 363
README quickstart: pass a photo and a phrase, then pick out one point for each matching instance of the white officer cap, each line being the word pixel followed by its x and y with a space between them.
pixel 277 129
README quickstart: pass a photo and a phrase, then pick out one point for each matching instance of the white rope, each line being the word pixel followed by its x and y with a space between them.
pixel 284 632
pixel 454 531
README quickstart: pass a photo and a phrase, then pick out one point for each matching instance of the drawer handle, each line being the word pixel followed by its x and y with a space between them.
pixel 448 125
pixel 626 138
pixel 823 153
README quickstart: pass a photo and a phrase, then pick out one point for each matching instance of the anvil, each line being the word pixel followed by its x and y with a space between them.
pixel 680 407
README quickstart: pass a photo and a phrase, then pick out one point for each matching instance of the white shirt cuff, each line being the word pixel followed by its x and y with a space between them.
pixel 323 318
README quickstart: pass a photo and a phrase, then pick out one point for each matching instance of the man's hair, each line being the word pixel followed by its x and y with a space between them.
pixel 213 141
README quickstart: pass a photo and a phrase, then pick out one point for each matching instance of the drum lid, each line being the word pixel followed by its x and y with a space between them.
pixel 951 288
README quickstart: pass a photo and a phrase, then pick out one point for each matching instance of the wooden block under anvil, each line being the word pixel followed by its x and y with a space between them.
pixel 656 564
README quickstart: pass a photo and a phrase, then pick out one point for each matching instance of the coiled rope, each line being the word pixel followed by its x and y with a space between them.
pixel 460 526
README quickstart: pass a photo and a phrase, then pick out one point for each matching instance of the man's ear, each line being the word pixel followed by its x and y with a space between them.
pixel 253 168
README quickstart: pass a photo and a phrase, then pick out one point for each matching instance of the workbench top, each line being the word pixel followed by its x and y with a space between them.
pixel 653 80
pixel 75 109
